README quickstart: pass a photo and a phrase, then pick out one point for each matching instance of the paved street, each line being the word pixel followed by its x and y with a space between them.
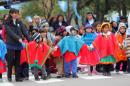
pixel 83 80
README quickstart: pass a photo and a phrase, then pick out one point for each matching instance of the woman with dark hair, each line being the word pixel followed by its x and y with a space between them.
pixel 89 19
pixel 60 22
pixel 114 26
pixel 52 21
pixel 15 33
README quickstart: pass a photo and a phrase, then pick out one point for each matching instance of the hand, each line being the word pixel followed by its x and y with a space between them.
pixel 20 40
pixel 23 44
pixel 54 49
pixel 121 47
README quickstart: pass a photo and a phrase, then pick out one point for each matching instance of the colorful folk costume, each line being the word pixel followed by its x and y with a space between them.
pixel 106 43
pixel 36 53
pixel 70 47
pixel 121 54
pixel 92 57
pixel 3 52
pixel 59 61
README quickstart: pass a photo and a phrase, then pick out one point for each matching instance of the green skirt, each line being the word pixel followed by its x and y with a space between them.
pixel 108 60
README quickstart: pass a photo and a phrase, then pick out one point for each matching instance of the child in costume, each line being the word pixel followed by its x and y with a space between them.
pixel 106 45
pixel 92 57
pixel 48 39
pixel 60 33
pixel 37 52
pixel 3 52
pixel 121 55
pixel 70 47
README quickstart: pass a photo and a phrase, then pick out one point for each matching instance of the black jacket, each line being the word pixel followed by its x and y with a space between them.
pixel 56 24
pixel 14 32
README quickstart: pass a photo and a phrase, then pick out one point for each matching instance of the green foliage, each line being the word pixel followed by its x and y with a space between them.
pixel 41 8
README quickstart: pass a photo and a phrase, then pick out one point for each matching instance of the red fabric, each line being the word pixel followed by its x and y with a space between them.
pixel 88 57
pixel 83 51
pixel 69 56
pixel 37 52
pixel 2 67
pixel 23 57
pixel 92 58
pixel 57 53
pixel 3 33
pixel 105 46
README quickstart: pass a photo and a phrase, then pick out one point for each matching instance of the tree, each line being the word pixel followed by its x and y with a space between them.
pixel 44 8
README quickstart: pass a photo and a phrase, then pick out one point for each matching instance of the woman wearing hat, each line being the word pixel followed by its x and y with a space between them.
pixel 121 54
pixel 92 57
pixel 106 45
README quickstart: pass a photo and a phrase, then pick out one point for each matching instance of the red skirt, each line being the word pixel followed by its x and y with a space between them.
pixel 92 58
pixel 2 67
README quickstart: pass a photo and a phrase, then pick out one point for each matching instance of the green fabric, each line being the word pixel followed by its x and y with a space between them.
pixel 35 64
pixel 108 59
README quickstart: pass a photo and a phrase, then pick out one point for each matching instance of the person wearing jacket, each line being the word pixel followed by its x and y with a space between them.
pixel 15 33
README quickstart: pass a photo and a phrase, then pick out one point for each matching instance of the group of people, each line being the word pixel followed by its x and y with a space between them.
pixel 54 46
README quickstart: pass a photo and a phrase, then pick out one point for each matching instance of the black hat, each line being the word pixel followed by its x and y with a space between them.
pixel 36 37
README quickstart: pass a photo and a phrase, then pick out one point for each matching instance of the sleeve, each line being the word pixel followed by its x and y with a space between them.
pixel 25 32
pixel 11 33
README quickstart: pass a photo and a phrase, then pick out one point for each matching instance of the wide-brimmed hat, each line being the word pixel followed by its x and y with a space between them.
pixel 106 23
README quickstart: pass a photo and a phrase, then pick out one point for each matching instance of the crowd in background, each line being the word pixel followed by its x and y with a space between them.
pixel 54 46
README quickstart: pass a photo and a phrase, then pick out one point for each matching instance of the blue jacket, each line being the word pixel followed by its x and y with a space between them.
pixel 88 38
pixel 71 44
pixel 3 50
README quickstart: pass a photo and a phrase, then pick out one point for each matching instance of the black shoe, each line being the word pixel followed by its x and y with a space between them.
pixel 45 78
pixel 37 79
pixel 108 74
pixel 104 74
pixel 19 80
pixel 49 76
pixel 59 76
pixel 10 79
pixel 75 76
pixel 26 78
pixel 67 76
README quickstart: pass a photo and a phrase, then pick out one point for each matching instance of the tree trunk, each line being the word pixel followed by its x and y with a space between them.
pixel 97 9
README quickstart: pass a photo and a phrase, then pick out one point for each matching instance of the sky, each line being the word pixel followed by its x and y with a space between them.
pixel 17 6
